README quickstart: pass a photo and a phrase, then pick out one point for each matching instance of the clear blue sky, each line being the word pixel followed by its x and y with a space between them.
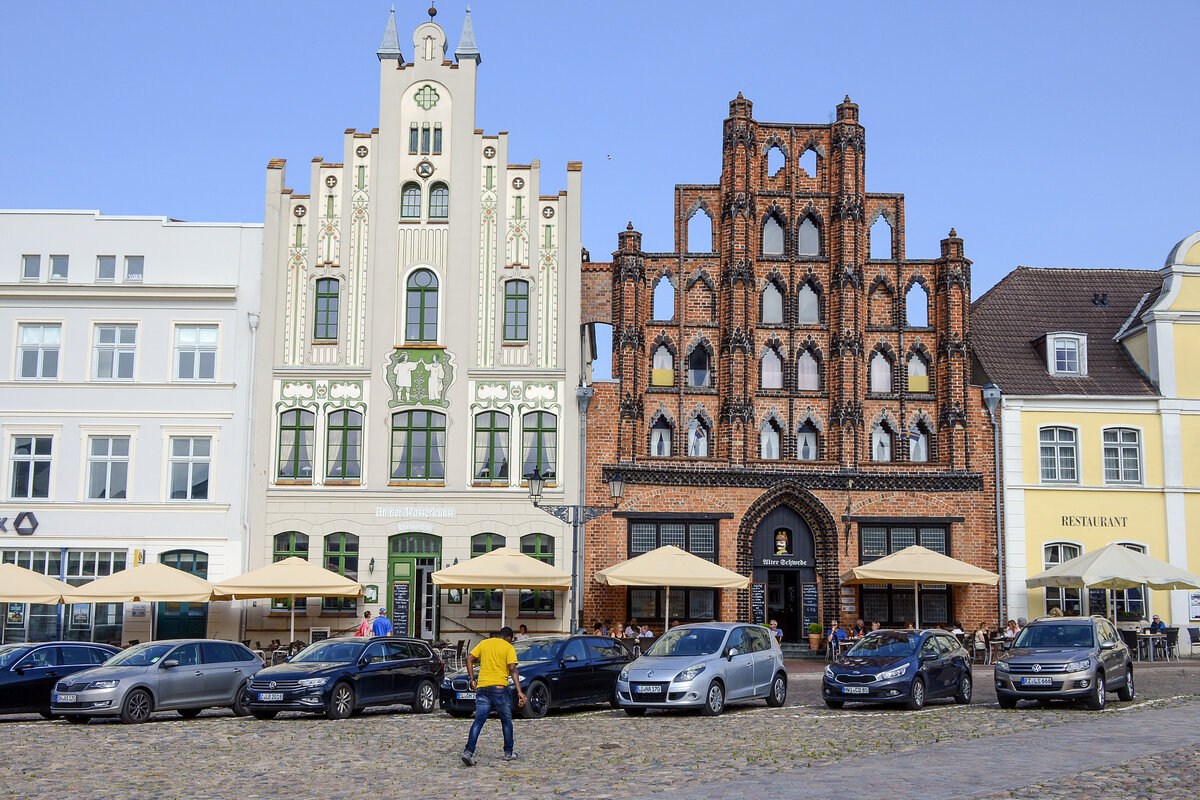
pixel 1048 134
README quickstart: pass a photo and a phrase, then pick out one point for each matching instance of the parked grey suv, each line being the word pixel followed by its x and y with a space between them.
pixel 703 666
pixel 1065 658
pixel 185 675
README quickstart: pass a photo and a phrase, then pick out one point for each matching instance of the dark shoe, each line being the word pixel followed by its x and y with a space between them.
pixel 468 758
pixel 511 756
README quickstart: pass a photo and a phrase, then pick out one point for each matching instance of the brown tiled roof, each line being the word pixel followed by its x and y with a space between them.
pixel 1028 303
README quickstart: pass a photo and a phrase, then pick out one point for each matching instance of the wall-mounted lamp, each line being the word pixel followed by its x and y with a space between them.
pixel 371 565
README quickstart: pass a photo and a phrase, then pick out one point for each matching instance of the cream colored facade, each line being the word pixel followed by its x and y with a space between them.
pixel 1159 512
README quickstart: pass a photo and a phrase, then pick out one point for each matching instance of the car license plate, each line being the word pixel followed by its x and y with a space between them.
pixel 855 690
pixel 1036 681
pixel 269 697
pixel 465 695
pixel 642 688
pixel 65 698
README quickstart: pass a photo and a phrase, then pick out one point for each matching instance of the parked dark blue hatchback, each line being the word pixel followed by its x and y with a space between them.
pixel 907 667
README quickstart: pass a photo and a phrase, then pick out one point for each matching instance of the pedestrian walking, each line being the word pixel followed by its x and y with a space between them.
pixel 364 627
pixel 497 663
pixel 382 626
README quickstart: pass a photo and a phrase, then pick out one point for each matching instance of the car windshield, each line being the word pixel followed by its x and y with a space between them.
pixel 688 642
pixel 9 654
pixel 886 645
pixel 329 652
pixel 532 650
pixel 1055 635
pixel 142 655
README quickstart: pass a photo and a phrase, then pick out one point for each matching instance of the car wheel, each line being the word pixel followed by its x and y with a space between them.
pixel 1099 696
pixel 46 715
pixel 1126 692
pixel 916 700
pixel 963 695
pixel 1005 701
pixel 190 713
pixel 263 713
pixel 537 701
pixel 778 695
pixel 714 700
pixel 835 703
pixel 137 706
pixel 341 702
pixel 239 703
pixel 77 719
pixel 425 699
pixel 636 712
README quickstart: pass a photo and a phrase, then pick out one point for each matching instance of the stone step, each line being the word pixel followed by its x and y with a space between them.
pixel 794 650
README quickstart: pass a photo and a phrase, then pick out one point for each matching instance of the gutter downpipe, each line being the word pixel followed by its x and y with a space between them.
pixel 583 396
pixel 252 319
pixel 1000 559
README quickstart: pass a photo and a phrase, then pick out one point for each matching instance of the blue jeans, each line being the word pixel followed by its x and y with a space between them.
pixel 487 700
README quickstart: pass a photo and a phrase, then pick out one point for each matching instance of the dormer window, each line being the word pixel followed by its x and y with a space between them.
pixel 1066 354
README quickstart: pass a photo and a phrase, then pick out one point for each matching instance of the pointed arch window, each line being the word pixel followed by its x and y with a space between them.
pixel 439 201
pixel 808 373
pixel 772 237
pixel 422 321
pixel 806 442
pixel 660 439
pixel 808 238
pixel 698 436
pixel 772 304
pixel 776 161
pixel 700 233
pixel 768 441
pixel 881 373
pixel 916 306
pixel 664 299
pixel 918 444
pixel 699 372
pixel 772 370
pixel 880 237
pixel 881 443
pixel 918 374
pixel 807 308
pixel 662 372
pixel 410 201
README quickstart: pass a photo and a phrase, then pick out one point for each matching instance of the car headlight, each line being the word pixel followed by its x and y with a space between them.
pixel 313 681
pixel 624 676
pixel 1001 666
pixel 103 684
pixel 829 672
pixel 690 673
pixel 1075 666
pixel 893 673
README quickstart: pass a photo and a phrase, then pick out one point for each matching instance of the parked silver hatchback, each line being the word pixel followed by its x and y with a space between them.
pixel 184 675
pixel 705 666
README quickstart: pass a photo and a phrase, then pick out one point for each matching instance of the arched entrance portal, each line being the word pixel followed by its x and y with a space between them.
pixel 784 561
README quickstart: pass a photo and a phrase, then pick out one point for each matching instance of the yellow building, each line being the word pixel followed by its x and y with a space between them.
pixel 1098 379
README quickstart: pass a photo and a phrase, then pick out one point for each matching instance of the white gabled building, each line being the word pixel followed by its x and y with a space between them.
pixel 124 401
pixel 420 356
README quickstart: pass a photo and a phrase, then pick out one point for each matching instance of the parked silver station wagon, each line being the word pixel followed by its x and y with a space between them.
pixel 704 666
pixel 185 675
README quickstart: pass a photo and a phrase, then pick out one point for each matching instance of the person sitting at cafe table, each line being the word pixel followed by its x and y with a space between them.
pixel 631 629
pixel 1010 629
pixel 836 633
pixel 859 630
pixel 957 630
pixel 646 633
pixel 874 625
pixel 522 634
pixel 1157 625
pixel 1055 611
pixel 778 634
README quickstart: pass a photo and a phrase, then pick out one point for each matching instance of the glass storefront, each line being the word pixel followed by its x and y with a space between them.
pixel 81 622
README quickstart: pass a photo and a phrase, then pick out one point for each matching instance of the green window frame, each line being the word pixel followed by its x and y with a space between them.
pixel 410 201
pixel 325 323
pixel 539 444
pixel 343 447
pixel 516 311
pixel 419 446
pixel 289 544
pixel 439 201
pixel 422 304
pixel 341 556
pixel 491 447
pixel 538 602
pixel 486 602
pixel 297 429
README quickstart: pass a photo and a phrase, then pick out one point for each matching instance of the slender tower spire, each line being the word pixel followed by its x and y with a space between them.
pixel 390 48
pixel 466 43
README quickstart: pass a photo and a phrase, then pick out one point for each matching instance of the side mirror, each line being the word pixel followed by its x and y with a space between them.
pixel 567 659
pixel 19 670
pixel 1108 645
pixel 733 651
pixel 928 656
pixel 169 663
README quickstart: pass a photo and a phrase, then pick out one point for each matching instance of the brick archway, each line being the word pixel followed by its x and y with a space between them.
pixel 824 531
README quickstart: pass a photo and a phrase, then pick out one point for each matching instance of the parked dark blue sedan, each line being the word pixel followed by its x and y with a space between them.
pixel 28 671
pixel 555 671
pixel 907 667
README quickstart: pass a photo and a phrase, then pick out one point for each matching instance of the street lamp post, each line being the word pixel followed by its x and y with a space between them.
pixel 575 516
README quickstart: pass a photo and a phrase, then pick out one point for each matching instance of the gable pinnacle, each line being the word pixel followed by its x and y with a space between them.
pixel 390 47
pixel 466 42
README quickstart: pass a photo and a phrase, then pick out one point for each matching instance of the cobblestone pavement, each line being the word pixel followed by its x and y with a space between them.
pixel 1145 748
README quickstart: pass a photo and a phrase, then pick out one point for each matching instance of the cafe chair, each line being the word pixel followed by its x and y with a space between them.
pixel 1194 635
pixel 1132 642
pixel 1167 646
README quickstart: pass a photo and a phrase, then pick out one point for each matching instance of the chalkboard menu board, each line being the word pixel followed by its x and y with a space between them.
pixel 758 603
pixel 1098 601
pixel 400 600
pixel 809 606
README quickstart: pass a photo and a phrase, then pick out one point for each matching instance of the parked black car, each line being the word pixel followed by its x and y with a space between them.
pixel 555 671
pixel 28 671
pixel 340 677
pixel 907 667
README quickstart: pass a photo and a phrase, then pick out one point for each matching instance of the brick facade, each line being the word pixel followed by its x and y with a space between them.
pixel 719 309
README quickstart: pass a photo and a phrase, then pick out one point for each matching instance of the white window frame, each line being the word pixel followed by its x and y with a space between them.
pixel 1057 460
pixel 1060 602
pixel 1080 340
pixel 116 348
pixel 25 262
pixel 43 324
pixel 100 276
pixel 108 459
pixel 175 351
pixel 129 277
pixel 1121 446
pixel 1122 595
pixel 11 461
pixel 190 432
pixel 66 261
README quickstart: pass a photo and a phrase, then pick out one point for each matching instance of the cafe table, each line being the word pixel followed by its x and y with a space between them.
pixel 1149 640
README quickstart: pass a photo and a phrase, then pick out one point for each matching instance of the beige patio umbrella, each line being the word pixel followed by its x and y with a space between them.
pixel 1114 567
pixel 670 566
pixel 917 565
pixel 20 585
pixel 292 577
pixel 503 569
pixel 152 583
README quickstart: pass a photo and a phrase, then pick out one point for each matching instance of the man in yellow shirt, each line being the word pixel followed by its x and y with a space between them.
pixel 497 664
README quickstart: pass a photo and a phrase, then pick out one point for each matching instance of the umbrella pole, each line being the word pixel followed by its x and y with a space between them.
pixel 503 593
pixel 917 604
pixel 667 611
pixel 292 617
